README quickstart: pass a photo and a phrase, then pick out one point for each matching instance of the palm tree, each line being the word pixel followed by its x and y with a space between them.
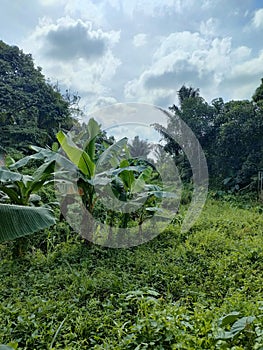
pixel 187 92
pixel 139 148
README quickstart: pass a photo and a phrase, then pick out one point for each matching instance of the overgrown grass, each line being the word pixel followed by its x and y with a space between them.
pixel 167 294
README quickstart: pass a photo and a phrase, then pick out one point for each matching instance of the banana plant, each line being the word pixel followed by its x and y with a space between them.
pixel 104 179
pixel 138 192
pixel 80 157
pixel 19 189
pixel 82 153
pixel 143 190
pixel 131 182
pixel 17 192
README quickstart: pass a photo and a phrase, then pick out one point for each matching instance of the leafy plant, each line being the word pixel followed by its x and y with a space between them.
pixel 18 216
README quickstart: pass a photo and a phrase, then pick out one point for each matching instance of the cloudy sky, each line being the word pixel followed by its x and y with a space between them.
pixel 113 51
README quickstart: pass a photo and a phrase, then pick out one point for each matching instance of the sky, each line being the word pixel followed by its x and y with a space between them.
pixel 142 51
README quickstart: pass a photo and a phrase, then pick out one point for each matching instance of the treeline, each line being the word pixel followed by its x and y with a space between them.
pixel 230 133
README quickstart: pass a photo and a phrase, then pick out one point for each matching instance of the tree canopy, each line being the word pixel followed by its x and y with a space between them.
pixel 230 134
pixel 31 110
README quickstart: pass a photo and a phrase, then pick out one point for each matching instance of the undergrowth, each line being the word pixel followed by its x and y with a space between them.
pixel 196 290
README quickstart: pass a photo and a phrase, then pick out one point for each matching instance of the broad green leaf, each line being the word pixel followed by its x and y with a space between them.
pixel 26 180
pixel 163 194
pixel 11 193
pixel 99 181
pixel 146 174
pixel 9 176
pixel 18 221
pixel 224 335
pixel 133 168
pixel 78 157
pixel 127 177
pixel 6 347
pixel 41 154
pixel 239 326
pixel 9 160
pixel 110 155
pixel 242 324
pixel 13 345
pixel 151 188
pixel 93 130
pixel 124 163
pixel 34 198
pixel 228 319
pixel 41 176
pixel 55 147
pixel 44 171
pixel 138 185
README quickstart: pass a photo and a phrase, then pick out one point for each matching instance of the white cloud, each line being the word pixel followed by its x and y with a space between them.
pixel 96 105
pixel 76 55
pixel 244 77
pixel 140 40
pixel 257 20
pixel 76 40
pixel 192 59
pixel 72 39
pixel 253 66
pixel 87 10
pixel 209 28
pixel 241 53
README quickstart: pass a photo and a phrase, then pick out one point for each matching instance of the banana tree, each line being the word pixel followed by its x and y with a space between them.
pixel 19 189
pixel 78 158
pixel 18 216
pixel 143 192
pixel 102 179
pixel 82 152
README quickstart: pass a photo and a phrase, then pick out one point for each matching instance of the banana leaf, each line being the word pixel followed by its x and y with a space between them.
pixel 77 156
pixel 18 221
pixel 110 155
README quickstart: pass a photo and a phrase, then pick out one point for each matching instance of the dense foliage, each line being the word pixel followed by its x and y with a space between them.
pixel 171 293
pixel 31 110
pixel 230 134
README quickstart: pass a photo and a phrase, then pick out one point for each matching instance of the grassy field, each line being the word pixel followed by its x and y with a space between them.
pixel 199 290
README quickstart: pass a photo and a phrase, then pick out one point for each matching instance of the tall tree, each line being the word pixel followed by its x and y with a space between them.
pixel 31 110
pixel 239 144
pixel 139 148
pixel 198 115
pixel 258 95
pixel 187 92
pixel 229 133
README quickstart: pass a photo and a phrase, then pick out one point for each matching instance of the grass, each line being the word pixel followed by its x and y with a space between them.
pixel 169 293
